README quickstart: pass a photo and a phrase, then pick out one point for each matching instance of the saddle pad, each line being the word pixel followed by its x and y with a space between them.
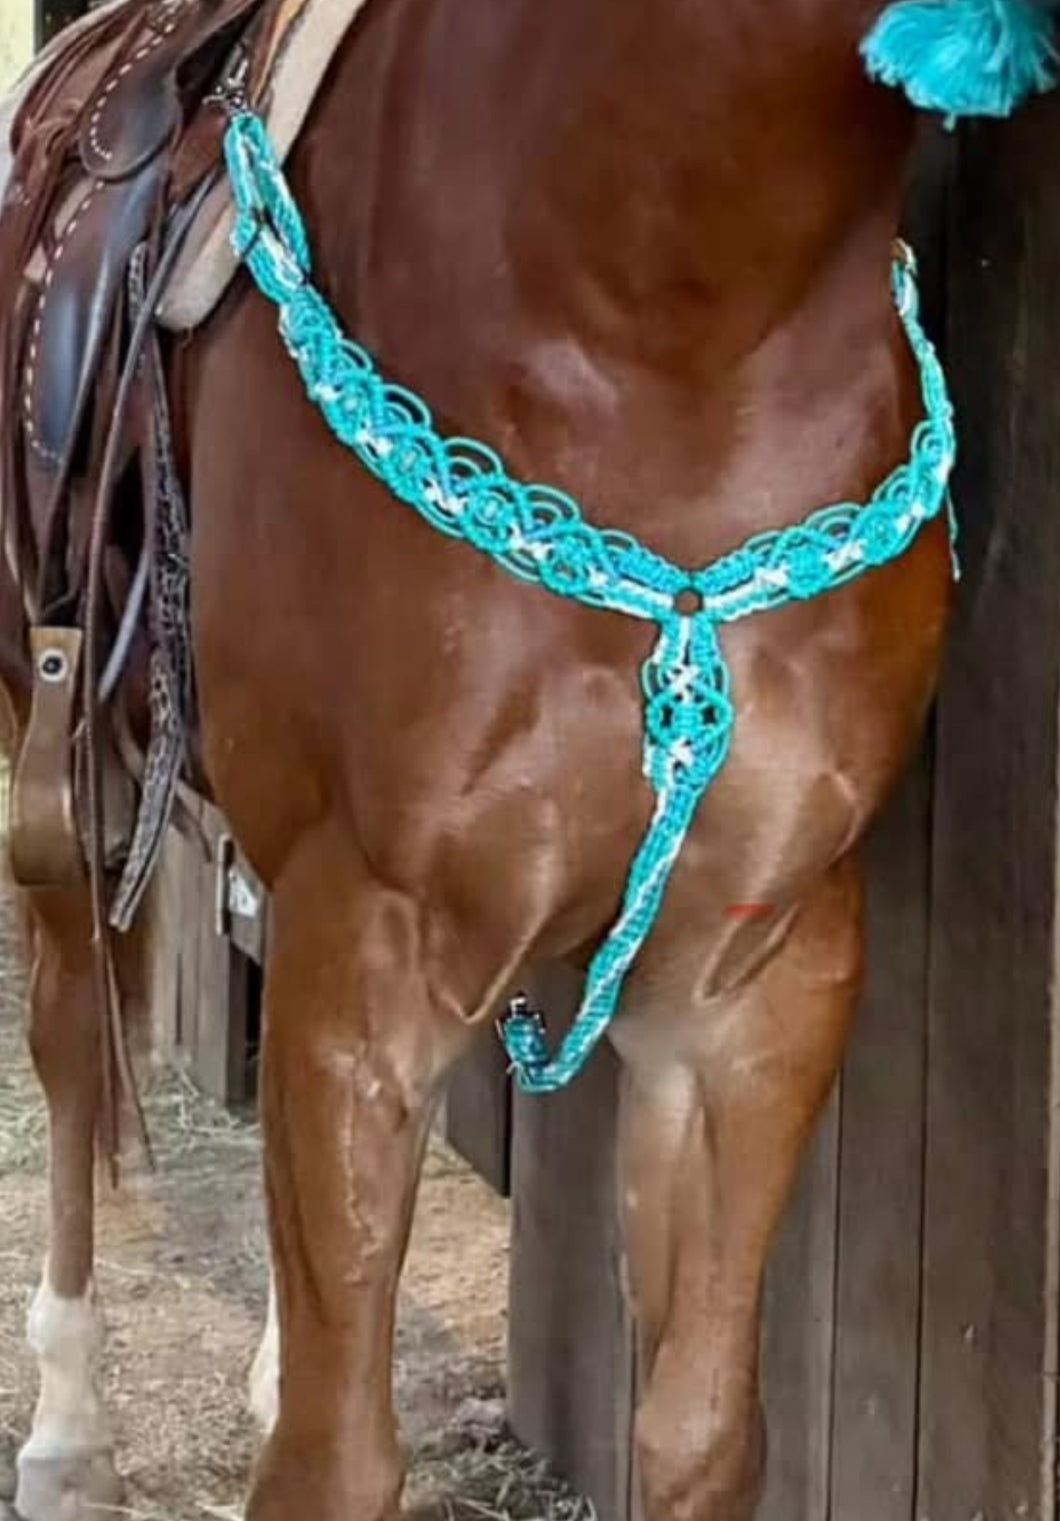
pixel 309 33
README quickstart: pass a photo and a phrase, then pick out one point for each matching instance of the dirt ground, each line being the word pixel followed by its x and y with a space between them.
pixel 182 1279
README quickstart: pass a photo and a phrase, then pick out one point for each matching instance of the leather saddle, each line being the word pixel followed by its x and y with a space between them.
pixel 110 141
pixel 115 140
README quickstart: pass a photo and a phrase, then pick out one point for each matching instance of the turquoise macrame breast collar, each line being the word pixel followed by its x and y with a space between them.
pixel 539 535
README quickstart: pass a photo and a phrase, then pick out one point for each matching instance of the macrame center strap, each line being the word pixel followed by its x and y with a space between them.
pixel 539 535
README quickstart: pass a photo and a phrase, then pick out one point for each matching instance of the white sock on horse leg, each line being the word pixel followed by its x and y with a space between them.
pixel 67 1337
pixel 263 1388
pixel 66 1468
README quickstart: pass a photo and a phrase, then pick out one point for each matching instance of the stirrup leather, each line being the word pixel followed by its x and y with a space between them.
pixel 45 840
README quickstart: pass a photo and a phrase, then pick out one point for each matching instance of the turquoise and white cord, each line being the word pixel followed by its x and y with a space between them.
pixel 539 535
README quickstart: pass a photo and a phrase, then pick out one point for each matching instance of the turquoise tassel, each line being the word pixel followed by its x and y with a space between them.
pixel 963 57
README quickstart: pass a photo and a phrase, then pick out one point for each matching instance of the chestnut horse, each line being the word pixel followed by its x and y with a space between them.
pixel 642 247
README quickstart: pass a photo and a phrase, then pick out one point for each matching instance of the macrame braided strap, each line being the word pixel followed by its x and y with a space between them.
pixel 689 720
pixel 540 536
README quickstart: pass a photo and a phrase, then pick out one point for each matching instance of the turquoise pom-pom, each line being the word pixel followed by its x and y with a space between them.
pixel 964 57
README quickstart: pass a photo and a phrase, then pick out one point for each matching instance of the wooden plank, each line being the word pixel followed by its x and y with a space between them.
pixel 988 1418
pixel 220 1062
pixel 164 908
pixel 478 1111
pixel 799 1337
pixel 188 952
pixel 214 980
pixel 570 1364
pixel 874 1437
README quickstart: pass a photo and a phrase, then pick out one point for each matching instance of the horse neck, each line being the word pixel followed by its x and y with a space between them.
pixel 664 182
pixel 720 153
pixel 705 159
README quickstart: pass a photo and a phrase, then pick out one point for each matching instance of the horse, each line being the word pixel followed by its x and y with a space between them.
pixel 645 251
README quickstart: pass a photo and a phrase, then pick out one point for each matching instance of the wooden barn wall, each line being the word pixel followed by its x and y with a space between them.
pixel 988 1352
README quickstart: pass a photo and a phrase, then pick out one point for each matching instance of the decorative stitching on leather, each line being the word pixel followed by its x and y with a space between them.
pixel 37 443
pixel 143 51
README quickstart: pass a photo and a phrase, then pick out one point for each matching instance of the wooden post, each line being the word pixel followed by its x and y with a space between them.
pixel 478 1111
pixel 216 983
pixel 165 911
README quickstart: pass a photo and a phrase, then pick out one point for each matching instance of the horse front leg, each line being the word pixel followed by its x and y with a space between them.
pixel 714 1122
pixel 353 1058
pixel 66 1469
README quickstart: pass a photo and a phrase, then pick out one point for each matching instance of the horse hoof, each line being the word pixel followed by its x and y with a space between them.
pixel 82 1487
